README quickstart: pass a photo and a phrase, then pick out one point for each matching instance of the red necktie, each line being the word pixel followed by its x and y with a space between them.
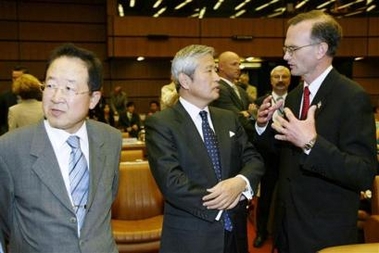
pixel 305 107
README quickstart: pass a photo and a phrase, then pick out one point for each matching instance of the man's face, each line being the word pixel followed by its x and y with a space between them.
pixel 280 80
pixel 68 110
pixel 230 67
pixel 203 86
pixel 303 61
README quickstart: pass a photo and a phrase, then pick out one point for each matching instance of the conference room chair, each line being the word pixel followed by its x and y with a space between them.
pixel 371 226
pixel 137 213
pixel 131 155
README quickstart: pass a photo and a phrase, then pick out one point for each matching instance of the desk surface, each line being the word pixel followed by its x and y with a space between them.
pixel 353 248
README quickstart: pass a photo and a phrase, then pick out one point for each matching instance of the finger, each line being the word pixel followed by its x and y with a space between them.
pixel 311 112
pixel 289 114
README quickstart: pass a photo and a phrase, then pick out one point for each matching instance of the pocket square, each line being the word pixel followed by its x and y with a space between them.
pixel 231 134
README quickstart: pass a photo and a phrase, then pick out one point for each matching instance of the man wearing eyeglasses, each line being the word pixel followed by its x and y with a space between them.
pixel 59 177
pixel 327 151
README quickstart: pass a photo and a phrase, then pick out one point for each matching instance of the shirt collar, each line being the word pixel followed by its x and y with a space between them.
pixel 315 85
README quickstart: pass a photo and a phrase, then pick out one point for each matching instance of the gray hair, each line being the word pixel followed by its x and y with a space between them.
pixel 186 61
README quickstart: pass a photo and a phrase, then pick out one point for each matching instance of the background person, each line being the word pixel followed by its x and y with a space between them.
pixel 8 99
pixel 280 79
pixel 29 110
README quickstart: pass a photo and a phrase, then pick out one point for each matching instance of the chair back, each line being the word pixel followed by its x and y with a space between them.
pixel 138 195
pixel 375 197
pixel 131 155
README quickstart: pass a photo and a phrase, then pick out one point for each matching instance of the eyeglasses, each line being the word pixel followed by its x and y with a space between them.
pixel 67 90
pixel 291 49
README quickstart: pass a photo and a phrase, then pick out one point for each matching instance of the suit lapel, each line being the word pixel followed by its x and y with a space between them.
pixel 46 166
pixel 235 98
pixel 193 138
pixel 97 160
pixel 224 143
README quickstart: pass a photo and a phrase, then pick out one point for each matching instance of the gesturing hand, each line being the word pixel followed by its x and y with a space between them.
pixel 291 129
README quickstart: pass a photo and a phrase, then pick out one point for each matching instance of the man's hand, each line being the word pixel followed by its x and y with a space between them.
pixel 291 129
pixel 225 194
pixel 266 110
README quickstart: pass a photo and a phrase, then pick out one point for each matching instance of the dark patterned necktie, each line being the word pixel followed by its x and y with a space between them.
pixel 79 178
pixel 305 107
pixel 211 144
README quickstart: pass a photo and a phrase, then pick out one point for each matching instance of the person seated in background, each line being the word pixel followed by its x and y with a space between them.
pixel 130 121
pixel 29 110
pixel 154 107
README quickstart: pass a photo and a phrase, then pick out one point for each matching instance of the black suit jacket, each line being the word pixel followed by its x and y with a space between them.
pixel 319 193
pixel 229 100
pixel 183 171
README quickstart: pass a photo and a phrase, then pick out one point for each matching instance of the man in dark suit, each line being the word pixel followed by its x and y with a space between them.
pixel 233 97
pixel 205 205
pixel 130 120
pixel 327 156
pixel 280 79
pixel 43 207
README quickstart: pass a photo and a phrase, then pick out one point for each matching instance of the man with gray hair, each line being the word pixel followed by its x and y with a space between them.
pixel 202 162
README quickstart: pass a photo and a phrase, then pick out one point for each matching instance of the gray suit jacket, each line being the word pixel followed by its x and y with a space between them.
pixel 183 170
pixel 35 210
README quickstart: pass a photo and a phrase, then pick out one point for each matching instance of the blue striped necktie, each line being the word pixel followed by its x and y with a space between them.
pixel 211 143
pixel 79 178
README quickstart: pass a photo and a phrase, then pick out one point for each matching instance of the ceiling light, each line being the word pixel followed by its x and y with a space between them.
pixel 218 4
pixel 157 3
pixel 132 3
pixel 140 58
pixel 262 7
pixel 159 12
pixel 299 5
pixel 370 8
pixel 202 12
pixel 325 4
pixel 239 13
pixel 120 10
pixel 182 4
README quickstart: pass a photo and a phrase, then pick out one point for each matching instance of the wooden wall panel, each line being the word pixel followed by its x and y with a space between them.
pixel 221 27
pixel 8 10
pixel 374 26
pixel 9 51
pixel 353 47
pixel 133 47
pixel 131 69
pixel 354 27
pixel 373 47
pixel 62 32
pixel 56 11
pixel 8 30
pixel 257 47
pixel 142 26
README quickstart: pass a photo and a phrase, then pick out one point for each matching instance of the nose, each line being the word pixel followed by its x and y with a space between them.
pixel 57 94
pixel 286 56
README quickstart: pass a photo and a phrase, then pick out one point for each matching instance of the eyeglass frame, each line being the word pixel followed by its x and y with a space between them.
pixel 52 88
pixel 292 49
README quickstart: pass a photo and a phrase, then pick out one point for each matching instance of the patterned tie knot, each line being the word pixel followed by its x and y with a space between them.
pixel 73 142
pixel 203 115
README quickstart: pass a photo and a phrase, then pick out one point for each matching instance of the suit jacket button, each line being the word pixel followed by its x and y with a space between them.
pixel 73 219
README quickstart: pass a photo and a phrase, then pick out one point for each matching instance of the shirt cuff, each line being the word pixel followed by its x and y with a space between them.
pixel 248 193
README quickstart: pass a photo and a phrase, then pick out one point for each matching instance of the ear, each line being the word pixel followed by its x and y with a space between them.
pixel 322 49
pixel 95 98
pixel 184 81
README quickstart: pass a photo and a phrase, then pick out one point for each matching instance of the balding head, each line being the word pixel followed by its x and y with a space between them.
pixel 229 66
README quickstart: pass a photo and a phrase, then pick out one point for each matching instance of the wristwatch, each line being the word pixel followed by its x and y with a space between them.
pixel 310 144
